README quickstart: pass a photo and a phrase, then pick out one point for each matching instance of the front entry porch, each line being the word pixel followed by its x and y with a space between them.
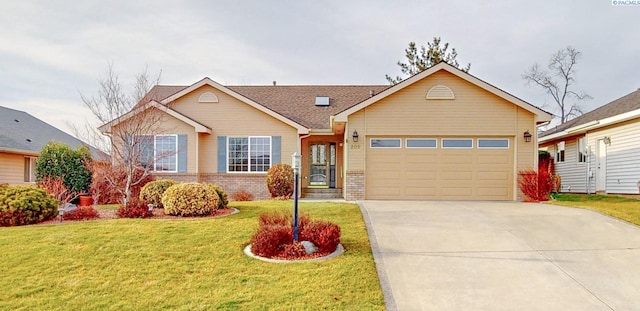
pixel 321 175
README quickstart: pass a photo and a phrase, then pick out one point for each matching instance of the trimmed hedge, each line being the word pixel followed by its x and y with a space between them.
pixel 23 205
pixel 224 200
pixel 190 199
pixel 152 192
pixel 280 181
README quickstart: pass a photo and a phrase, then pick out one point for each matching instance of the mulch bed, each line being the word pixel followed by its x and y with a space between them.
pixel 158 213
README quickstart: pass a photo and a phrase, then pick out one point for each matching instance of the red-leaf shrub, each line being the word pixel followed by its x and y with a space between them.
pixel 134 209
pixel 82 213
pixel 292 251
pixel 242 195
pixel 325 235
pixel 108 182
pixel 536 186
pixel 55 187
pixel 274 238
pixel 280 181
pixel 269 241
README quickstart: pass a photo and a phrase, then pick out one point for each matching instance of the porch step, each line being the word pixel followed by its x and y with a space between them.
pixel 322 193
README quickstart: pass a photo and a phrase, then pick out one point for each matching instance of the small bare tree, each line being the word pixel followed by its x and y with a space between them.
pixel 558 82
pixel 128 121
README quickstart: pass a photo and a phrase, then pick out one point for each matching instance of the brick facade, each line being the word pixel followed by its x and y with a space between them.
pixel 255 184
pixel 355 185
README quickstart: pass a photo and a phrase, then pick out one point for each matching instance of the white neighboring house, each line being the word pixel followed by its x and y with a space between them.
pixel 600 150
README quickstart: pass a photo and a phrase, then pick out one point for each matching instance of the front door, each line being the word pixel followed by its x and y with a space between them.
pixel 601 168
pixel 323 165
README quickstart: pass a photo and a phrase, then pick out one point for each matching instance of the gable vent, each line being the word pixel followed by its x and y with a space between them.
pixel 322 100
pixel 440 92
pixel 208 97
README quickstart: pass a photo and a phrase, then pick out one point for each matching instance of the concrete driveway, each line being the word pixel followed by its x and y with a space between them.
pixel 502 256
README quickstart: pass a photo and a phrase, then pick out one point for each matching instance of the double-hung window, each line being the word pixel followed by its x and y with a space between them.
pixel 159 153
pixel 560 152
pixel 582 150
pixel 250 154
pixel 30 169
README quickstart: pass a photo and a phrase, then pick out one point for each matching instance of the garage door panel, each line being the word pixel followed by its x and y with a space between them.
pixel 457 175
pixel 493 175
pixel 437 173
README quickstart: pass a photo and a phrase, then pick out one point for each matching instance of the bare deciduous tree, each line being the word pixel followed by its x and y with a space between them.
pixel 128 123
pixel 558 82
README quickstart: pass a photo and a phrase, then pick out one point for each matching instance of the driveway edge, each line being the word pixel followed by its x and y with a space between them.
pixel 389 302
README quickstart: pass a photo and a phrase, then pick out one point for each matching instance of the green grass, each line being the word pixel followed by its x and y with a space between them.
pixel 627 209
pixel 107 206
pixel 186 264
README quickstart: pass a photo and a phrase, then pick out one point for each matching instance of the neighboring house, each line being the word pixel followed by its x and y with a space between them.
pixel 600 150
pixel 440 134
pixel 22 136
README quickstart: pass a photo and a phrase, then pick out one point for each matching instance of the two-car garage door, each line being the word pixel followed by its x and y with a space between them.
pixel 440 168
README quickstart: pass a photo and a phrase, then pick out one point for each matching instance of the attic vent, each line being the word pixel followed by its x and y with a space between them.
pixel 440 92
pixel 208 97
pixel 17 121
pixel 322 100
pixel 29 140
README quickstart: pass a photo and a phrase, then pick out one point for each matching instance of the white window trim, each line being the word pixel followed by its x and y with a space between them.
pixel 249 152
pixel 583 151
pixel 32 169
pixel 504 148
pixel 443 146
pixel 155 156
pixel 406 143
pixel 560 146
pixel 397 139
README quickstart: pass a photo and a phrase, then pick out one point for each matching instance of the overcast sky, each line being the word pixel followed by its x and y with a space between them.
pixel 52 50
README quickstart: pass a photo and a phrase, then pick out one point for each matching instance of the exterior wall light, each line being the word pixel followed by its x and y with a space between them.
pixel 355 136
pixel 527 137
pixel 607 140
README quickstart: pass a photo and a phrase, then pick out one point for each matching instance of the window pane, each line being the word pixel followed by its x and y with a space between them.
pixel 422 143
pixel 238 154
pixel 493 143
pixel 457 143
pixel 166 153
pixel 385 143
pixel 260 153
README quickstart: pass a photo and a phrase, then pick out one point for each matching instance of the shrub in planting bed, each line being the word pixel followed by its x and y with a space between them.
pixel 134 209
pixel 190 199
pixel 274 238
pixel 82 213
pixel 152 192
pixel 23 205
pixel 242 195
pixel 224 200
pixel 280 181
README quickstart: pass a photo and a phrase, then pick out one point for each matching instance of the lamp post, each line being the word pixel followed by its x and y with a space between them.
pixel 295 163
pixel 61 213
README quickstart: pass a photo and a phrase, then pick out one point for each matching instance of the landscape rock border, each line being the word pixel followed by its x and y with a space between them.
pixel 339 251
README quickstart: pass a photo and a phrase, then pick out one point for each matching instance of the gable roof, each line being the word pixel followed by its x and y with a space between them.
pixel 106 128
pixel 619 110
pixel 206 81
pixel 542 116
pixel 23 133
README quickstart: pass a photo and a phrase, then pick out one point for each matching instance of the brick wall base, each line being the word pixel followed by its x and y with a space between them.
pixel 255 184
pixel 355 185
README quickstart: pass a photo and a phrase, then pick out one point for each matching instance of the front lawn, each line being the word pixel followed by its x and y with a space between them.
pixel 627 209
pixel 184 264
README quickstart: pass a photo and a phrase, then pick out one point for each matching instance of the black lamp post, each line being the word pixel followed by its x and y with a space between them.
pixel 295 163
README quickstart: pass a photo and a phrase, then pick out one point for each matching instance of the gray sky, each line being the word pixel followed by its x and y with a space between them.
pixel 51 50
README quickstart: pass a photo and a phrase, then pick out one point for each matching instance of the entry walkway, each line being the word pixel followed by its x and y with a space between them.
pixel 502 256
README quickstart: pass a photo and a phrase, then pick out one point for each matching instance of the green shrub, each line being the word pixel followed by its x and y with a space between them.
pixel 280 181
pixel 23 205
pixel 152 192
pixel 224 200
pixel 58 160
pixel 190 199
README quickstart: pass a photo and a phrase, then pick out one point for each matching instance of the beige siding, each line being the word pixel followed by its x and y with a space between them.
pixel 229 117
pixel 474 112
pixel 12 168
